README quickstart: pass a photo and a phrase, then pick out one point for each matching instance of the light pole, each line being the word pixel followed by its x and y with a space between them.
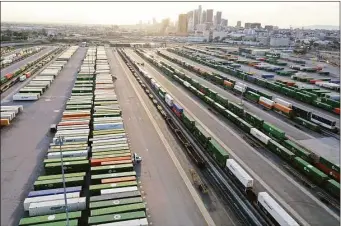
pixel 60 141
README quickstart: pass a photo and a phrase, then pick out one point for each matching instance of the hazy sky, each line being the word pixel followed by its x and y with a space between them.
pixel 282 14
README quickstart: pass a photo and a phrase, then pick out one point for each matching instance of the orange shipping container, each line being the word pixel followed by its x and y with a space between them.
pixel 282 108
pixel 4 122
pixel 72 123
pixel 265 104
pixel 290 83
pixel 118 179
pixel 227 83
pixel 97 162
pixel 337 110
pixel 116 162
pixel 73 115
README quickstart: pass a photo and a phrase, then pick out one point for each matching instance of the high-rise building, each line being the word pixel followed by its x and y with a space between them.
pixel 255 25
pixel 224 22
pixel 182 24
pixel 199 14
pixel 196 17
pixel 247 25
pixel 209 16
pixel 239 24
pixel 269 27
pixel 203 17
pixel 218 18
pixel 190 14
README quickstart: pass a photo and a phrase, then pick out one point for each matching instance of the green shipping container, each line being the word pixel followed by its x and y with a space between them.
pixel 252 96
pixel 58 176
pixel 333 188
pixel 313 173
pixel 58 183
pixel 64 159
pixel 304 97
pixel 119 209
pixel 49 218
pixel 116 202
pixel 333 103
pixel 324 106
pixel 217 152
pixel 219 108
pixel 212 94
pixel 254 120
pixel 231 116
pixel 96 179
pixel 201 135
pixel 273 131
pixel 280 150
pixel 222 101
pixel 297 150
pixel 188 121
pixel 208 100
pixel 246 127
pixel 59 223
pixel 308 124
pixel 69 167
pixel 111 169
pixel 116 217
pixel 236 109
pixel 264 95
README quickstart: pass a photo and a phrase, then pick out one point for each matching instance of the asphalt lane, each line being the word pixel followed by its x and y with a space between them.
pixel 168 200
pixel 267 175
pixel 270 117
pixel 12 68
pixel 299 104
pixel 25 141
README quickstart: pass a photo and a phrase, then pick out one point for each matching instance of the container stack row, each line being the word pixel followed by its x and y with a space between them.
pixel 114 192
pixel 8 113
pixel 45 205
pixel 39 84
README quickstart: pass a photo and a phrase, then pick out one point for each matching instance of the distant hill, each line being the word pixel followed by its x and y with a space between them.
pixel 322 27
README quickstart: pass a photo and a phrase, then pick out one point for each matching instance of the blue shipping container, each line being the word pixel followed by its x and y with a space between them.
pixel 250 78
pixel 268 76
pixel 178 108
pixel 108 126
pixel 54 191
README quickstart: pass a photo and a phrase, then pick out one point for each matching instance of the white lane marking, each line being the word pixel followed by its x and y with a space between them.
pixel 267 187
pixel 177 164
pixel 227 94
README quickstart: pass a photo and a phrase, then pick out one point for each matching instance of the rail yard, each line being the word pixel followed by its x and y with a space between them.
pixel 184 135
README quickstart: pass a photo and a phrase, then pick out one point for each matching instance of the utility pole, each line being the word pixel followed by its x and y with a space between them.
pixel 60 141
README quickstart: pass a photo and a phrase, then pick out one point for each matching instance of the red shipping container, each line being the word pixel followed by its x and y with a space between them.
pixel 337 110
pixel 328 171
pixel 176 112
pixel 98 162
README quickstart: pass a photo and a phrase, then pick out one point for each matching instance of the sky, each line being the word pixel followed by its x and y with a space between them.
pixel 282 14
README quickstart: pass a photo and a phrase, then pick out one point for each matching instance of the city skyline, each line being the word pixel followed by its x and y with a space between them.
pixel 282 14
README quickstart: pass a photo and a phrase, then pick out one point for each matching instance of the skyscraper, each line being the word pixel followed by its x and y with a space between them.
pixel 190 14
pixel 239 24
pixel 196 17
pixel 224 22
pixel 199 15
pixel 182 24
pixel 218 18
pixel 203 17
pixel 209 16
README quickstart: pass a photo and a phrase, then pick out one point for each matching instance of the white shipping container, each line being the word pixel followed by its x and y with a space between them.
pixel 57 206
pixel 16 108
pixel 118 190
pixel 67 154
pixel 45 198
pixel 267 101
pixel 137 222
pixel 260 136
pixel 26 96
pixel 8 115
pixel 241 84
pixel 115 140
pixel 239 173
pixel 283 102
pixel 112 147
pixel 187 84
pixel 275 210
pixel 239 88
pixel 169 100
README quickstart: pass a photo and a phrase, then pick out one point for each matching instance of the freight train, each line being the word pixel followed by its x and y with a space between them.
pixel 265 202
pixel 273 138
pixel 310 96
pixel 305 95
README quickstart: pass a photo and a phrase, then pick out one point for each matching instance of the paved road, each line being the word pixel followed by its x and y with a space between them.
pixel 291 100
pixel 168 199
pixel 268 176
pixel 12 68
pixel 270 117
pixel 24 143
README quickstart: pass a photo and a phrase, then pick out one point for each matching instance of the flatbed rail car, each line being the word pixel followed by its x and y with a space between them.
pixel 270 142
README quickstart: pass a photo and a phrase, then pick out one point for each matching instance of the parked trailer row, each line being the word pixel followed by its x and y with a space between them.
pixel 45 205
pixel 15 57
pixel 234 170
pixel 299 115
pixel 8 113
pixel 115 198
pixel 273 138
pixel 285 89
pixel 39 85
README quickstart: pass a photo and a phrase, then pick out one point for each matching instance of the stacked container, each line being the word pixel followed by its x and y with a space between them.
pixel 8 113
pixel 114 193
pixel 46 204
pixel 39 84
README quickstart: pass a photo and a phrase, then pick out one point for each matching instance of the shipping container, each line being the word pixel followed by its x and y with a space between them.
pixel 310 171
pixel 280 150
pixel 253 120
pixel 42 220
pixel 217 152
pixel 237 172
pixel 273 131
pixel 96 220
pixel 260 136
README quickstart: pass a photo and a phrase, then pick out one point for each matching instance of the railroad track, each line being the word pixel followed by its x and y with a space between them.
pixel 212 173
pixel 16 79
